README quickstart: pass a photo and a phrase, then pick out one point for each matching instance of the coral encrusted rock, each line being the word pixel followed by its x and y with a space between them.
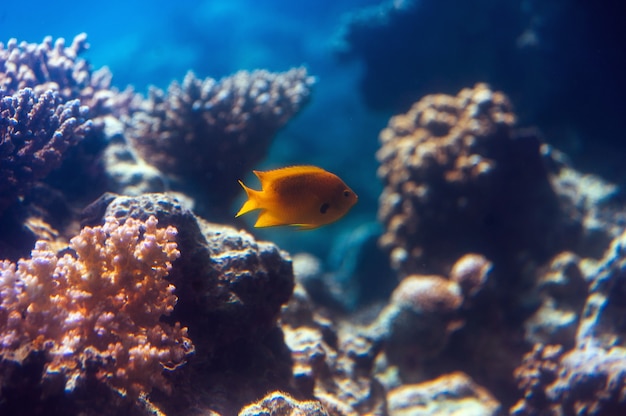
pixel 230 290
pixel 459 179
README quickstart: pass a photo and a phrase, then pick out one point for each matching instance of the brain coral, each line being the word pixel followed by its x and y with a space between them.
pixel 459 179
pixel 95 311
pixel 208 133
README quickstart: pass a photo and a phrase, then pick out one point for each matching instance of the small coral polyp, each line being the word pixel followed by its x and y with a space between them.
pixel 95 311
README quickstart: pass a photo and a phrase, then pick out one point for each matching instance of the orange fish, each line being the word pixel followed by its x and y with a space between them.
pixel 303 196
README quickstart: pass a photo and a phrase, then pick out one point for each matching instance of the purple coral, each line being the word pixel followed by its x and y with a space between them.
pixel 208 133
pixel 35 132
pixel 55 66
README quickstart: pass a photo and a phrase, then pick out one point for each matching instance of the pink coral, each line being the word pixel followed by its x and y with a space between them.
pixel 96 310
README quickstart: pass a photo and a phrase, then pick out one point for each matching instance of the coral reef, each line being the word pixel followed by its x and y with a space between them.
pixel 95 311
pixel 562 290
pixel 458 179
pixel 220 121
pixel 230 290
pixel 35 133
pixel 196 129
pixel 588 379
pixel 365 365
pixel 74 176
pixel 506 257
pixel 57 67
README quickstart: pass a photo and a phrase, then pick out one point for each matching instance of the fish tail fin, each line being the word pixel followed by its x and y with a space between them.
pixel 253 201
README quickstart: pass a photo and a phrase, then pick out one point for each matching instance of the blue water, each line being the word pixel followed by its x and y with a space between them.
pixel 569 53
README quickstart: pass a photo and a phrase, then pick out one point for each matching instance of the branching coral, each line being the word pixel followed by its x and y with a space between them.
pixel 196 130
pixel 95 311
pixel 35 132
pixel 54 66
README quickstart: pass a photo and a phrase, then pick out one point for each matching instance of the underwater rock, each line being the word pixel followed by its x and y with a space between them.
pixel 195 131
pixel 584 381
pixel 591 201
pixel 471 272
pixel 279 403
pixel 450 394
pixel 127 173
pixel 562 289
pixel 458 179
pixel 588 379
pixel 331 363
pixel 229 285
pixel 418 321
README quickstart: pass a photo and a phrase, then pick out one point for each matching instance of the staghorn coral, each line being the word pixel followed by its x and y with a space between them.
pixel 57 67
pixel 95 311
pixel 35 133
pixel 197 130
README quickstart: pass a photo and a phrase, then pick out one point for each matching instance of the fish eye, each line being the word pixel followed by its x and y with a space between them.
pixel 346 193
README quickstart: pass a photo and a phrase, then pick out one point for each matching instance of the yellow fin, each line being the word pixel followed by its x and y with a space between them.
pixel 268 220
pixel 253 201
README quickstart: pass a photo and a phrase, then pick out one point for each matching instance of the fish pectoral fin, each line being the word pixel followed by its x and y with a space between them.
pixel 266 219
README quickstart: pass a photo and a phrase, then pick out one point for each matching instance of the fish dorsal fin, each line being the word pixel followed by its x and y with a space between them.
pixel 274 174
